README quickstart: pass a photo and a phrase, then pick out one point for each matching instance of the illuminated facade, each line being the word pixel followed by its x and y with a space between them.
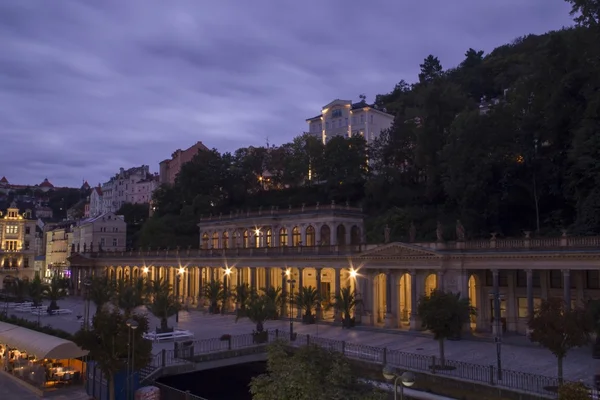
pixel 344 118
pixel 58 249
pixel 323 247
pixel 17 244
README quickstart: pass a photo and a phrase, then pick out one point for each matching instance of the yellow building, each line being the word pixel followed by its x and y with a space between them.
pixel 17 237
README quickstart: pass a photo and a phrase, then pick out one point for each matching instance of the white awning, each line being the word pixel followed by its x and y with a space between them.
pixel 38 344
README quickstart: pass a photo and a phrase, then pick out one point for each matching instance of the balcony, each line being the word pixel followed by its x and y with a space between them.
pixel 285 251
pixel 9 270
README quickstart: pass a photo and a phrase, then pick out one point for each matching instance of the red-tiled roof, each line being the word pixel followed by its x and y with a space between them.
pixel 3 180
pixel 46 183
pixel 98 190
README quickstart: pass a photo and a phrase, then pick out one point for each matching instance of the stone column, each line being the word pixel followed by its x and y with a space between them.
pixel 332 234
pixel 267 277
pixel 415 320
pixel 567 288
pixel 580 278
pixel 389 319
pixel 299 288
pixel 284 290
pixel 366 292
pixel 530 310
pixel 497 325
pixel 338 282
pixel 253 278
pixel 511 307
pixel 318 277
pixel 544 284
pixel 440 280
pixel 200 282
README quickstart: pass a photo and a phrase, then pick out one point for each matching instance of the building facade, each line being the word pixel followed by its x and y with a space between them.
pixel 17 247
pixel 58 250
pixel 127 186
pixel 106 232
pixel 169 169
pixel 344 118
pixel 324 247
pixel 96 203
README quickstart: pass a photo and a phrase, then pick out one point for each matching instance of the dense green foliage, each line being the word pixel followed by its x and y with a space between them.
pixel 506 142
pixel 312 373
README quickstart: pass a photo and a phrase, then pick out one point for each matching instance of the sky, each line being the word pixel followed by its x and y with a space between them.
pixel 89 86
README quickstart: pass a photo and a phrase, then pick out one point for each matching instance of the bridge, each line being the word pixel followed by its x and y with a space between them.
pixel 215 353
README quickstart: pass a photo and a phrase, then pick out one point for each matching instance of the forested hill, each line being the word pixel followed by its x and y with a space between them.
pixel 506 142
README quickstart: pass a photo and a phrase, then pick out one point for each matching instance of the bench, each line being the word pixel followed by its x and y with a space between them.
pixel 18 305
pixel 38 311
pixel 177 334
pixel 61 311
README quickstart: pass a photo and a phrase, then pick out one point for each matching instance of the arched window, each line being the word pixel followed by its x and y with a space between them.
pixel 246 242
pixel 296 237
pixel 341 235
pixel 257 236
pixel 355 235
pixel 310 236
pixel 325 236
pixel 205 241
pixel 283 237
pixel 225 238
pixel 215 240
pixel 269 238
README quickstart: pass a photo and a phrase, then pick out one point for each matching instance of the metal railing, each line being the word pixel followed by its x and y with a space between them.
pixel 171 393
pixel 477 373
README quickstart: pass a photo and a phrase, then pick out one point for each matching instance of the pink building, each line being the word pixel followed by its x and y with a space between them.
pixel 170 168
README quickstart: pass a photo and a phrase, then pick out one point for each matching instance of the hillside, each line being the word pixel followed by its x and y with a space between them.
pixel 525 158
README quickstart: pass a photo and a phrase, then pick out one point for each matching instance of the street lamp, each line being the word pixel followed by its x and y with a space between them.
pixel 226 288
pixel 179 275
pixel 132 325
pixel 407 378
pixel 87 283
pixel 291 282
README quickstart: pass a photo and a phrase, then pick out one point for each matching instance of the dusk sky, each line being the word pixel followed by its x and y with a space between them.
pixel 89 86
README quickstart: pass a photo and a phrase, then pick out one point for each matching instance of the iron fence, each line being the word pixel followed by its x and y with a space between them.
pixel 478 373
pixel 170 393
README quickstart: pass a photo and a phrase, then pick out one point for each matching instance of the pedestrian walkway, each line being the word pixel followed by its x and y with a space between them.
pixel 516 353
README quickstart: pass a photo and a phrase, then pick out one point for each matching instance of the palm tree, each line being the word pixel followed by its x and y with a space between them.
pixel 258 310
pixel 345 302
pixel 19 289
pixel 164 304
pixel 213 290
pixel 101 291
pixel 307 299
pixel 129 295
pixel 241 296
pixel 54 291
pixel 35 289
pixel 277 298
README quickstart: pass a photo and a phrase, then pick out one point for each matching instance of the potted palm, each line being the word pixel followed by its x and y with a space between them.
pixel 214 293
pixel 278 300
pixel 345 302
pixel 307 299
pixel 54 291
pixel 241 296
pixel 258 310
pixel 163 305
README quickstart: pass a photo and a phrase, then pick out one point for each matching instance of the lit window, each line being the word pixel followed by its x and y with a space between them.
pixel 12 229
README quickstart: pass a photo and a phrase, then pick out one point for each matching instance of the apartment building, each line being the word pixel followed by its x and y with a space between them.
pixel 170 168
pixel 58 249
pixel 344 118
pixel 106 232
pixel 134 185
pixel 17 237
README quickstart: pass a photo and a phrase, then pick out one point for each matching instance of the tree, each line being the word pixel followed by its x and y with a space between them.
pixel 258 310
pixel 162 304
pixel 346 302
pixel 108 341
pixel 444 314
pixel 587 11
pixel 35 290
pixel 241 296
pixel 573 391
pixel 310 373
pixel 54 291
pixel 278 300
pixel 101 291
pixel 215 293
pixel 129 295
pixel 307 299
pixel 430 69
pixel 559 329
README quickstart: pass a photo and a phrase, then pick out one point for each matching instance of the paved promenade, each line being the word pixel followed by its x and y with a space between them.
pixel 522 357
